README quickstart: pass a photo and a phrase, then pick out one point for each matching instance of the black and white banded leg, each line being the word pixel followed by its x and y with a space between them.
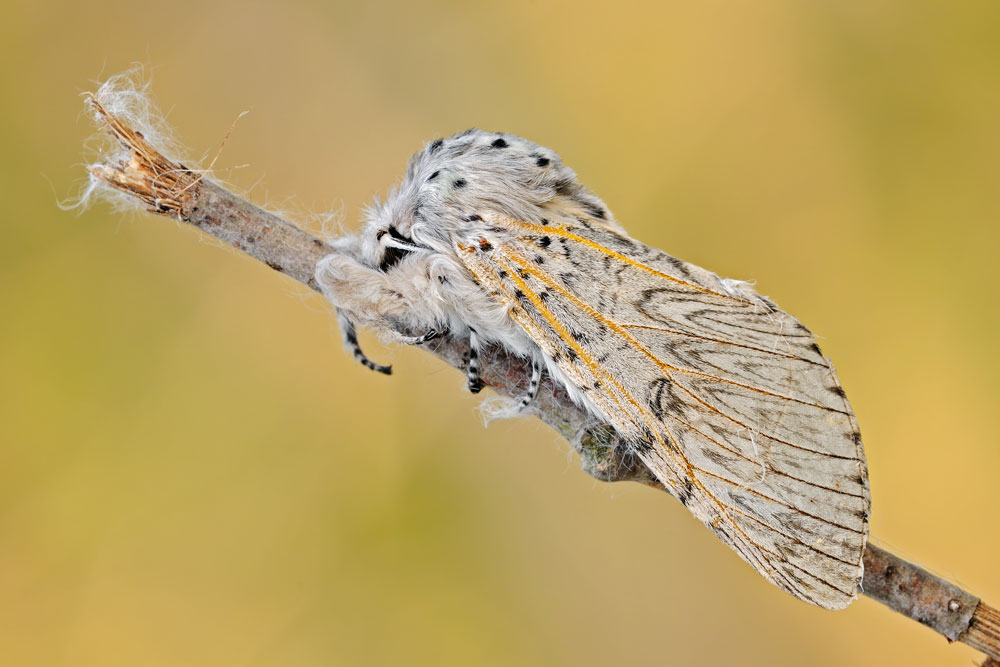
pixel 420 340
pixel 351 343
pixel 536 378
pixel 475 382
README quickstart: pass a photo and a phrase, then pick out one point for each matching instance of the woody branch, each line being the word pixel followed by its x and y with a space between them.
pixel 170 188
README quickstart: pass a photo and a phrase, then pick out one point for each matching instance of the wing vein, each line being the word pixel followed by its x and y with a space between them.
pixel 566 234
pixel 790 537
pixel 721 341
pixel 776 501
pixel 755 462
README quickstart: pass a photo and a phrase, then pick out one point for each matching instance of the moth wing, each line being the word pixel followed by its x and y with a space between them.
pixel 725 398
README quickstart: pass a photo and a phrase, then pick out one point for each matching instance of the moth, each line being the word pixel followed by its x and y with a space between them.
pixel 726 399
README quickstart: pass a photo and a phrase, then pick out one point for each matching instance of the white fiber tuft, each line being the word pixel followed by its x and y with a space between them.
pixel 741 289
pixel 498 407
pixel 128 97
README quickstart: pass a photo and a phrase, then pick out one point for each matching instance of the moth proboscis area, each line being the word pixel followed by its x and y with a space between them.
pixel 725 398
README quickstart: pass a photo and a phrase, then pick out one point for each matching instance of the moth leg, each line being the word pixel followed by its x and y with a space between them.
pixel 375 300
pixel 472 372
pixel 536 376
pixel 350 336
pixel 420 340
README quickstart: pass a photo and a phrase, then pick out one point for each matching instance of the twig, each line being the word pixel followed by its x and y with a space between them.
pixel 170 188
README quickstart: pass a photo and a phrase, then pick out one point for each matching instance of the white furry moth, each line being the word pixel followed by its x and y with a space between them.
pixel 725 398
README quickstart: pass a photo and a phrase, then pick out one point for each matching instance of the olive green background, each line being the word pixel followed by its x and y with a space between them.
pixel 193 473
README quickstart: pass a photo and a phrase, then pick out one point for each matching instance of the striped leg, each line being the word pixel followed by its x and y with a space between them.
pixel 536 377
pixel 420 340
pixel 351 343
pixel 475 383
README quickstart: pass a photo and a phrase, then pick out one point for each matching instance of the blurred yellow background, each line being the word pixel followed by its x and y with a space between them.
pixel 193 473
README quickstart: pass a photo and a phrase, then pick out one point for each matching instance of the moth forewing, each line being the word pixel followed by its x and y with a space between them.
pixel 725 398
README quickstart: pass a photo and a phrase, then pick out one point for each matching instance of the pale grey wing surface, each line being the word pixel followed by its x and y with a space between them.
pixel 726 399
